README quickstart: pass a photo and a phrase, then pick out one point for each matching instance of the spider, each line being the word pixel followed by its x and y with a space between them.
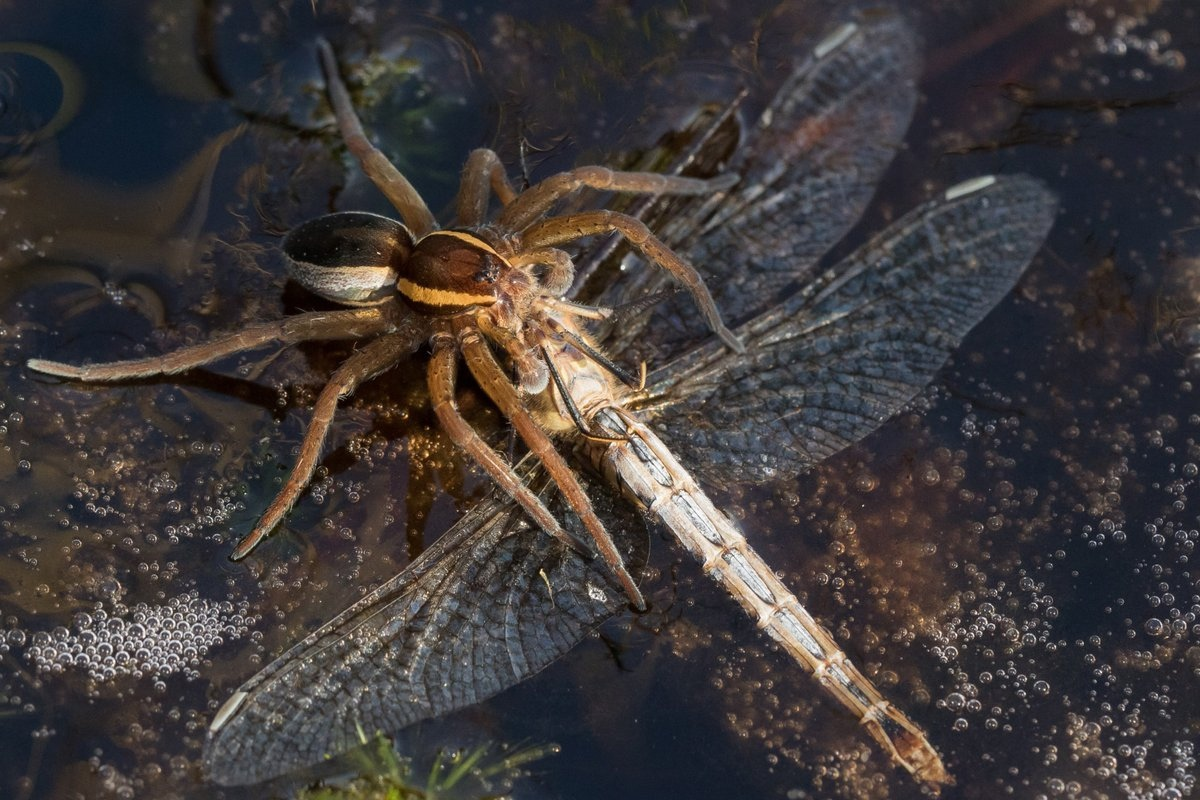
pixel 475 289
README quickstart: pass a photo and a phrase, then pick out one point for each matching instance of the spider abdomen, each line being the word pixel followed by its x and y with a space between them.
pixel 351 257
pixel 449 272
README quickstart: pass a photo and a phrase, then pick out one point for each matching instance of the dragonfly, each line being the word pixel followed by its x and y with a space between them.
pixel 814 359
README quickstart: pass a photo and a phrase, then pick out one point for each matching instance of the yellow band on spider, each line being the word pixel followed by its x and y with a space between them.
pixel 441 297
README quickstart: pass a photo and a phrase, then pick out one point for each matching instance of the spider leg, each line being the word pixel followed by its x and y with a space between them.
pixel 558 230
pixel 536 201
pixel 383 173
pixel 560 270
pixel 376 357
pixel 598 313
pixel 483 171
pixel 443 369
pixel 496 384
pixel 343 324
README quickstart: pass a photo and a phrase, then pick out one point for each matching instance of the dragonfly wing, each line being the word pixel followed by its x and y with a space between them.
pixel 834 361
pixel 812 164
pixel 808 168
pixel 472 616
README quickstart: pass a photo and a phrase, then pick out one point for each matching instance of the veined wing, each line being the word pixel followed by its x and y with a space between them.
pixel 809 167
pixel 833 362
pixel 474 615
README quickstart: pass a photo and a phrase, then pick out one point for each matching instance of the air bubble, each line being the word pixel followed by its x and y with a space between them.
pixel 156 640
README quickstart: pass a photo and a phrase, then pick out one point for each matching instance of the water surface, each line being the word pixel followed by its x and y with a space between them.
pixel 1010 560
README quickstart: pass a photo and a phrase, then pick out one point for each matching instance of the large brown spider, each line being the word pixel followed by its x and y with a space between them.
pixel 474 288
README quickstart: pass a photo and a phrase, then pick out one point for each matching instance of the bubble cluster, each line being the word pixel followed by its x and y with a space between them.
pixel 147 641
pixel 1140 769
pixel 1123 36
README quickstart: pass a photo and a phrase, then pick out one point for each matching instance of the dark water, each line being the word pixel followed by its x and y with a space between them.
pixel 1010 560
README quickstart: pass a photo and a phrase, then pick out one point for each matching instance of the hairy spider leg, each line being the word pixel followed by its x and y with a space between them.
pixel 376 357
pixel 483 171
pixel 488 372
pixel 559 230
pixel 442 377
pixel 375 165
pixel 560 269
pixel 533 203
pixel 355 323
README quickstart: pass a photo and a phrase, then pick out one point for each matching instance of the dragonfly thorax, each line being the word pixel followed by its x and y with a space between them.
pixel 582 381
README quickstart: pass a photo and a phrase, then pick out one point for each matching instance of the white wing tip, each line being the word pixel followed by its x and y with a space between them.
pixel 226 712
pixel 835 40
pixel 969 186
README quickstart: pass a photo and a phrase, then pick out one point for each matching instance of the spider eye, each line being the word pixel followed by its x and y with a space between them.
pixel 489 269
pixel 449 272
pixel 350 257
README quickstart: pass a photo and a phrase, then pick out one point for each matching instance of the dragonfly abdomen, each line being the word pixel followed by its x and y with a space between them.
pixel 643 467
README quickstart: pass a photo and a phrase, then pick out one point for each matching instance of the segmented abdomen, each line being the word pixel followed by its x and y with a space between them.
pixel 645 470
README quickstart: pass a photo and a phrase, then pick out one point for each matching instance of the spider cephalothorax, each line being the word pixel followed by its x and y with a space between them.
pixel 450 272
pixel 477 289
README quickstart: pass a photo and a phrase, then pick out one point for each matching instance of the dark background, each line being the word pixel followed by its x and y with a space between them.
pixel 1010 560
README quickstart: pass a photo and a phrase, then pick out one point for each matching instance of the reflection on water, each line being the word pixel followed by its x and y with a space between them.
pixel 1010 560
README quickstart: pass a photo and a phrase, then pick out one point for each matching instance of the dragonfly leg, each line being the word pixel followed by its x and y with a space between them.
pixel 482 172
pixel 495 383
pixel 558 230
pixel 343 324
pixel 375 165
pixel 536 201
pixel 376 357
pixel 573 409
pixel 597 355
